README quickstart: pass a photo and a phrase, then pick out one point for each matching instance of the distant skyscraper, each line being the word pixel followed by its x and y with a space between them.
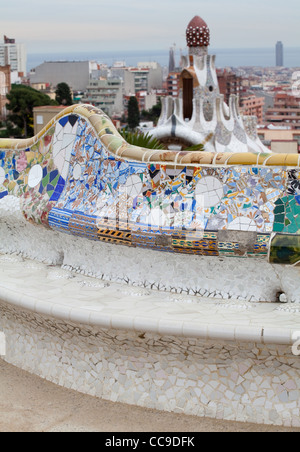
pixel 279 54
pixel 172 63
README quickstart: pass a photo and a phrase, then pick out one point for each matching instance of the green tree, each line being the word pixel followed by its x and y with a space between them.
pixel 10 131
pixel 22 100
pixel 133 113
pixel 63 94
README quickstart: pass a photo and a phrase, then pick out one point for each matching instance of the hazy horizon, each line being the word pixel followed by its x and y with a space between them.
pixel 232 57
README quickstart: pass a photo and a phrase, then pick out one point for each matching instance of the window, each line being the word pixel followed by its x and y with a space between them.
pixel 40 120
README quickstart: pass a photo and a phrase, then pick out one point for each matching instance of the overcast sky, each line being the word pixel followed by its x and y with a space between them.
pixel 100 25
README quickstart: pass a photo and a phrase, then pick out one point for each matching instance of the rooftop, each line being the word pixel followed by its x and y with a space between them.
pixel 197 33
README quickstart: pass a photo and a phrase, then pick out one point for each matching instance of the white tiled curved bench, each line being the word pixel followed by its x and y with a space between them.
pixel 171 318
pixel 224 359
pixel 223 216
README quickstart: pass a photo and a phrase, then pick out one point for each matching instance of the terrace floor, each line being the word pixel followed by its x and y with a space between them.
pixel 31 404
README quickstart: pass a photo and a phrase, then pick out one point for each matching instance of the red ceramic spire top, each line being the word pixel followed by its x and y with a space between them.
pixel 197 33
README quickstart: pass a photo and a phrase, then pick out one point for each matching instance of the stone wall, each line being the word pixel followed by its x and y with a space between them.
pixel 234 381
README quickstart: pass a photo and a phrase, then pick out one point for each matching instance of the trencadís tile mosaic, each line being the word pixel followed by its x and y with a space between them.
pixel 69 181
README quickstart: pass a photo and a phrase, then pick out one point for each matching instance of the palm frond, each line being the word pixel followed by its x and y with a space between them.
pixel 141 140
pixel 196 147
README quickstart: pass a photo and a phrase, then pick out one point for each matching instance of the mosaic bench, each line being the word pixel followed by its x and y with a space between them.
pixel 223 359
pixel 135 275
pixel 215 213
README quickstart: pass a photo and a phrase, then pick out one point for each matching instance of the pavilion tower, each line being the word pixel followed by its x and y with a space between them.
pixel 199 115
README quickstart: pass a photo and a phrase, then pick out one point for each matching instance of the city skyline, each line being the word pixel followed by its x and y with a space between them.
pixel 95 25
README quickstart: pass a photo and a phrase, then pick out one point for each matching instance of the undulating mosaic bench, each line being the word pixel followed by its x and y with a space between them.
pixel 79 177
pixel 184 245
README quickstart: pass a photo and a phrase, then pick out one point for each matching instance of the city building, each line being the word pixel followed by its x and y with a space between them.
pixel 146 100
pixel 172 84
pixel 253 106
pixel 45 88
pixel 147 76
pixel 280 139
pixel 75 73
pixel 43 115
pixel 229 83
pixel 286 111
pixel 5 85
pixel 106 94
pixel 126 75
pixel 279 54
pixel 14 55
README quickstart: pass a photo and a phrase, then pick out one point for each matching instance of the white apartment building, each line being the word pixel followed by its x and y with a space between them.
pixel 14 55
pixel 106 94
pixel 127 77
pixel 148 76
pixel 5 85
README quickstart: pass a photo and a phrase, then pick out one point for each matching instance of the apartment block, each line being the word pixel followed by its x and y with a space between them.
pixel 253 106
pixel 280 139
pixel 106 94
pixel 5 85
pixel 145 100
pixel 147 76
pixel 172 84
pixel 229 83
pixel 286 111
pixel 127 77
pixel 14 55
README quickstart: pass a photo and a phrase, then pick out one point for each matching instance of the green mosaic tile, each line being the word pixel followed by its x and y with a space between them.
pixel 278 227
pixel 280 218
pixel 290 216
pixel 279 209
pixel 285 249
pixel 292 229
pixel 45 181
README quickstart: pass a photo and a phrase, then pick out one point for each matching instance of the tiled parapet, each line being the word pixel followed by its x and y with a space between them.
pixel 225 359
pixel 80 177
